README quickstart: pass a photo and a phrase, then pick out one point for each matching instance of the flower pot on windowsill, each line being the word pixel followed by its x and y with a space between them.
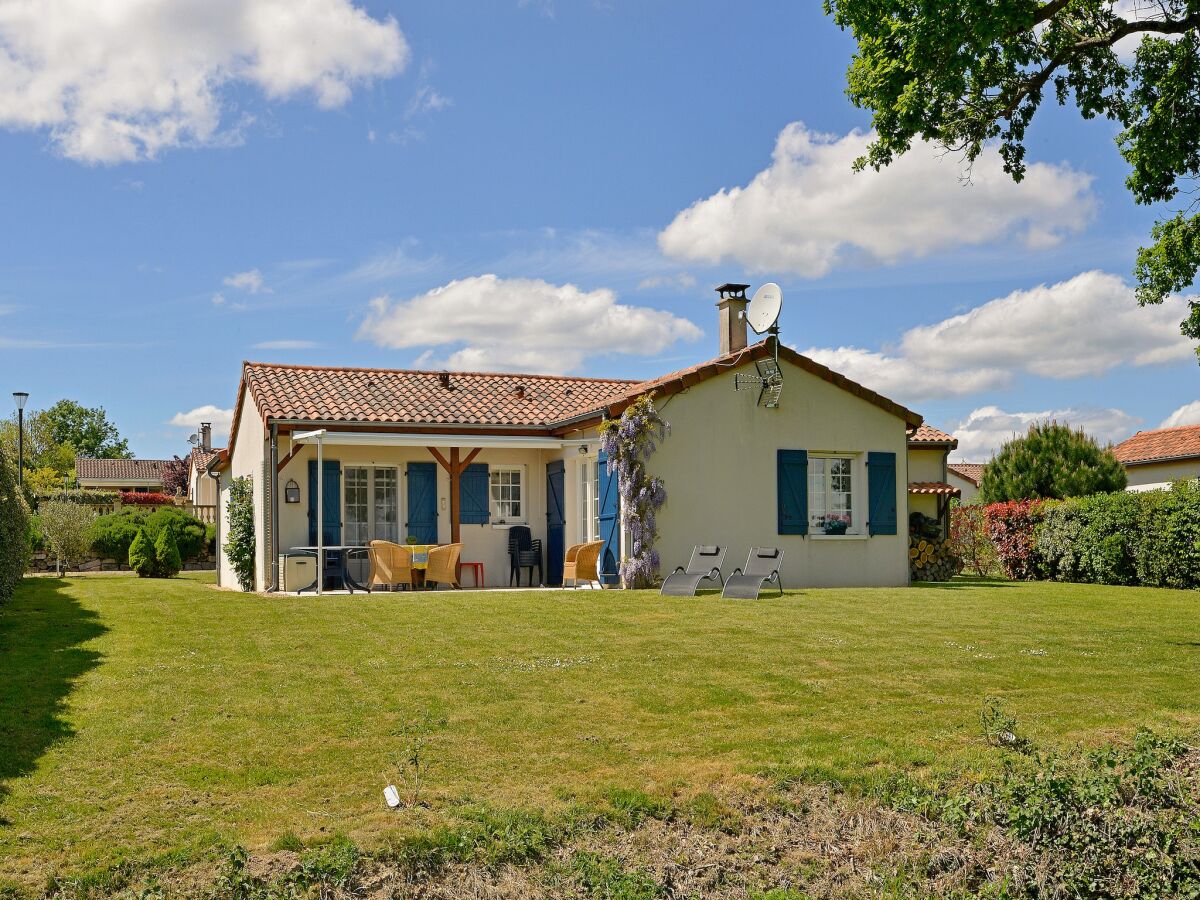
pixel 838 528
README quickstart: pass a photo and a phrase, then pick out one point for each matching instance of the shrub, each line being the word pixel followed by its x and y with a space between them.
pixel 1010 526
pixel 969 540
pixel 166 555
pixel 1051 461
pixel 141 555
pixel 154 498
pixel 14 530
pixel 66 527
pixel 86 496
pixel 1171 557
pixel 176 477
pixel 113 534
pixel 239 544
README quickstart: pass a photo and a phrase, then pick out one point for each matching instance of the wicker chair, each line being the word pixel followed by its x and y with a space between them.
pixel 391 564
pixel 580 564
pixel 443 565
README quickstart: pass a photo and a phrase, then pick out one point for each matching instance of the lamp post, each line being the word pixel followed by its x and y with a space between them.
pixel 21 397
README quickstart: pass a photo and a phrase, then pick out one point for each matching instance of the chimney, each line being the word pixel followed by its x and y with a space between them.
pixel 206 435
pixel 732 317
pixel 444 379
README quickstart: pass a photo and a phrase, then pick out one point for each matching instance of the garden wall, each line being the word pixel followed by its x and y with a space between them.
pixel 44 562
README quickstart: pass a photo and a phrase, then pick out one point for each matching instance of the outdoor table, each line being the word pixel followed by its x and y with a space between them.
pixel 420 560
pixel 343 551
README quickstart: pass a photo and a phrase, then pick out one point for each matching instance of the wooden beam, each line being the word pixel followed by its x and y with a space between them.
pixel 455 495
pixel 287 459
pixel 441 459
pixel 470 458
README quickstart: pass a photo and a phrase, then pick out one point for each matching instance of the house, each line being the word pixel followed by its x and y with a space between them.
pixel 1155 459
pixel 139 476
pixel 966 477
pixel 202 490
pixel 463 456
pixel 929 487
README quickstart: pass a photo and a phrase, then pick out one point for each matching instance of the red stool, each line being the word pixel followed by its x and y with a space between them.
pixel 476 570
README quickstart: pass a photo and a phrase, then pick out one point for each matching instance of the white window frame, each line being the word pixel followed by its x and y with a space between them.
pixel 494 511
pixel 858 510
pixel 372 523
pixel 589 499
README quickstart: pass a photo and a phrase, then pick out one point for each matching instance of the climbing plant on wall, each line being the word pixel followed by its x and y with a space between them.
pixel 629 442
pixel 239 544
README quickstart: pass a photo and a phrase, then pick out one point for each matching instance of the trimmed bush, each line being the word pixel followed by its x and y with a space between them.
pixel 1172 558
pixel 14 530
pixel 141 555
pixel 154 498
pixel 1010 526
pixel 166 554
pixel 112 535
pixel 86 496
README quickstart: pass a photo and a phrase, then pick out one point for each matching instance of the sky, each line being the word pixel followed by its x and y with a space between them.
pixel 544 186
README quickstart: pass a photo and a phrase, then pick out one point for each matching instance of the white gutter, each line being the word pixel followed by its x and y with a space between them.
pixel 486 441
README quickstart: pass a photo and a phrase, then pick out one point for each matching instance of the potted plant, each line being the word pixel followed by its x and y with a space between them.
pixel 411 540
pixel 837 524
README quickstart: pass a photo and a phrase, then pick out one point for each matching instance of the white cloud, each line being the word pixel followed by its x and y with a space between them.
pixel 982 433
pixel 1084 326
pixel 809 211
pixel 286 345
pixel 682 281
pixel 519 323
pixel 1188 414
pixel 426 99
pixel 250 281
pixel 221 420
pixel 123 81
pixel 394 263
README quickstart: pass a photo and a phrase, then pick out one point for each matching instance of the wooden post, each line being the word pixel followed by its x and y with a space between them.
pixel 454 468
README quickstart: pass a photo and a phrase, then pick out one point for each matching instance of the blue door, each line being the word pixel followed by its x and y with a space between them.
pixel 331 505
pixel 610 524
pixel 556 521
pixel 422 503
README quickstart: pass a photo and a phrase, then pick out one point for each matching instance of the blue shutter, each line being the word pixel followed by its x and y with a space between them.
pixel 610 523
pixel 332 502
pixel 421 481
pixel 881 492
pixel 791 468
pixel 473 508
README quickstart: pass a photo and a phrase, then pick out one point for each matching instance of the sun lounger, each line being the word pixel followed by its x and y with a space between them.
pixel 762 567
pixel 705 565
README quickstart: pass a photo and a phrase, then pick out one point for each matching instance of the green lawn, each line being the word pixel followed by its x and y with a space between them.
pixel 140 717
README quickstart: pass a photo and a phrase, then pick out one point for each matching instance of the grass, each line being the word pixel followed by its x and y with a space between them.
pixel 153 719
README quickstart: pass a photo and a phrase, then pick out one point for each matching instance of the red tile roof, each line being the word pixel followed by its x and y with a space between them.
pixel 927 434
pixel 972 472
pixel 932 487
pixel 129 470
pixel 200 458
pixel 1165 443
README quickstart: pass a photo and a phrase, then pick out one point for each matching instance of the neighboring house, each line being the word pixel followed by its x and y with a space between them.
pixel 929 487
pixel 1155 459
pixel 139 476
pixel 965 477
pixel 202 490
pixel 737 473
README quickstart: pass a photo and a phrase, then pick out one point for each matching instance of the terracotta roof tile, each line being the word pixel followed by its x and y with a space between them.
pixel 119 469
pixel 201 458
pixel 1165 443
pixel 932 487
pixel 972 472
pixel 403 397
pixel 927 434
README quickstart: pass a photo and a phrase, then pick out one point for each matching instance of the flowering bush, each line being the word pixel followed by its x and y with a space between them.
pixel 969 540
pixel 239 542
pixel 154 498
pixel 628 443
pixel 1010 526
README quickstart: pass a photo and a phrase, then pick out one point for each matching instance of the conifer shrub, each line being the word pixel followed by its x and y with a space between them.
pixel 1051 462
pixel 166 554
pixel 141 555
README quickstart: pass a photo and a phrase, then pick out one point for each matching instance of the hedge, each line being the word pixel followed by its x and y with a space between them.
pixel 14 530
pixel 88 496
pixel 112 535
pixel 154 498
pixel 1150 539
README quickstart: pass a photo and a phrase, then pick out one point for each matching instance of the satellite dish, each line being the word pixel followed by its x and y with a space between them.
pixel 763 311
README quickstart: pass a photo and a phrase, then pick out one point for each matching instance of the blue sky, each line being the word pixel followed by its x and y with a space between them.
pixel 537 185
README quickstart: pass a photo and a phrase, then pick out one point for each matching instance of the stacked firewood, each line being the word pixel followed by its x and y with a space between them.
pixel 930 559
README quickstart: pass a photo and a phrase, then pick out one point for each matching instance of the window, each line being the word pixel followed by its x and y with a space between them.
pixel 371 502
pixel 831 506
pixel 589 500
pixel 507 496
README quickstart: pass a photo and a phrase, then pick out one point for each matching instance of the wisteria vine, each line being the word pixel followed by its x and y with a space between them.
pixel 629 442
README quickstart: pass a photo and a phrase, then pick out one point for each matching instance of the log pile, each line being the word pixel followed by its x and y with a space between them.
pixel 931 559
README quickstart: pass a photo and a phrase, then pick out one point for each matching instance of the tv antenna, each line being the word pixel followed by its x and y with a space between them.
pixel 762 314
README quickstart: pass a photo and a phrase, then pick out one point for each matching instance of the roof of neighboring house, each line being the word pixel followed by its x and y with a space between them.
pixel 1164 443
pixel 333 394
pixel 118 469
pixel 200 458
pixel 927 434
pixel 933 487
pixel 972 472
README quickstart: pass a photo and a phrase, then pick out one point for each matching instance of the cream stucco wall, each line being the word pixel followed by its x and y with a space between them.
pixel 719 464
pixel 969 489
pixel 1164 472
pixel 925 464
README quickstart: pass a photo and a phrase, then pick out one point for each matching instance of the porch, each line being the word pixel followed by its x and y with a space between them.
pixel 435 489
